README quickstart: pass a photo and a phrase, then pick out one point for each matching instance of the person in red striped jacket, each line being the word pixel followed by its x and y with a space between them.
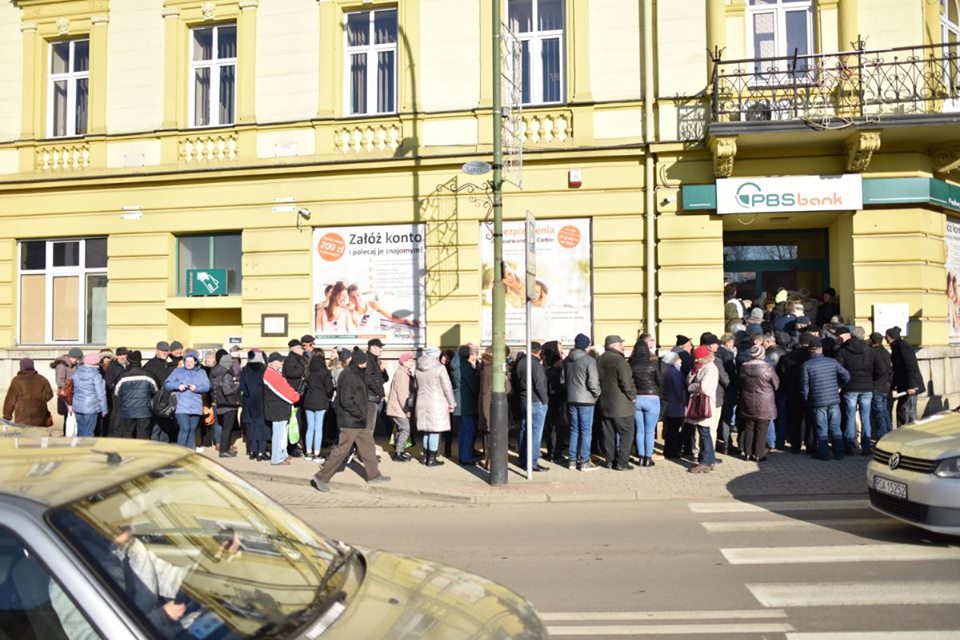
pixel 278 401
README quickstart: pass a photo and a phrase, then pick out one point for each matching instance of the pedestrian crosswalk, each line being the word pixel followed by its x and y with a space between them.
pixel 770 550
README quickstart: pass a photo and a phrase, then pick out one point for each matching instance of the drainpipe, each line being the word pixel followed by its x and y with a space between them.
pixel 649 181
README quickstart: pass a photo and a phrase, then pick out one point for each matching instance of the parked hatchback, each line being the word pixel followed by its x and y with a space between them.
pixel 915 473
pixel 131 539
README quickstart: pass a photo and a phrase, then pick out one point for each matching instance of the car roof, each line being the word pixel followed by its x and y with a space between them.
pixel 55 471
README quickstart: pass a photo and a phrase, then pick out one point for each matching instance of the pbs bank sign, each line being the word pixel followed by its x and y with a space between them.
pixel 791 193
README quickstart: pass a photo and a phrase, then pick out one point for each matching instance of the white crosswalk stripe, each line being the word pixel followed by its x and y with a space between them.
pixel 787 524
pixel 839 553
pixel 724 622
pixel 876 635
pixel 781 506
pixel 673 629
pixel 843 594
pixel 621 616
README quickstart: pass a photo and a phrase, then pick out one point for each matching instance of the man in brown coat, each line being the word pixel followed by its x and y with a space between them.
pixel 27 397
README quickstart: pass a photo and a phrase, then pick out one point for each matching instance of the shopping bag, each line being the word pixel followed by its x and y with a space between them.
pixel 293 427
pixel 699 407
pixel 70 426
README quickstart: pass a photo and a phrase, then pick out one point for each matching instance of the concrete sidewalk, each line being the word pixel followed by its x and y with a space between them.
pixel 783 474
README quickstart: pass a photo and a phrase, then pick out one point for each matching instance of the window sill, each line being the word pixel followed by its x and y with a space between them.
pixel 211 302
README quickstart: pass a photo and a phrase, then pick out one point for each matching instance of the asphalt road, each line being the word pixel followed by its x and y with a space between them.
pixel 801 569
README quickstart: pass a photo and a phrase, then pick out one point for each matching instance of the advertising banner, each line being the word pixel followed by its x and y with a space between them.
pixel 791 193
pixel 370 282
pixel 953 288
pixel 562 294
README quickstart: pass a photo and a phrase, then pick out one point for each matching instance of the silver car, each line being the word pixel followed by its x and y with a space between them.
pixel 914 475
pixel 130 539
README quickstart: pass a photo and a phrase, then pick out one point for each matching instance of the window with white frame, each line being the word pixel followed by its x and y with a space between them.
pixel 63 291
pixel 538 24
pixel 950 21
pixel 213 75
pixel 371 62
pixel 779 29
pixel 68 90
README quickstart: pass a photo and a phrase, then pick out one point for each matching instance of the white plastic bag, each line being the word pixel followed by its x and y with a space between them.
pixel 70 426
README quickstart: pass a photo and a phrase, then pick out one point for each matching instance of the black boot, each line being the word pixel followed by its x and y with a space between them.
pixel 432 460
pixel 650 462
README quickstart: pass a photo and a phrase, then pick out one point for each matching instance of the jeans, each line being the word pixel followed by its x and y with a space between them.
pixel 187 437
pixel 314 431
pixel 86 424
pixel 781 422
pixel 771 434
pixel 431 442
pixel 828 422
pixel 881 415
pixel 851 400
pixel 646 416
pixel 465 438
pixel 278 442
pixel 581 426
pixel 539 413
pixel 707 454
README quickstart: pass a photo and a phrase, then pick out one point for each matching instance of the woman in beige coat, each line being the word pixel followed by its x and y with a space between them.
pixel 399 404
pixel 435 403
pixel 704 380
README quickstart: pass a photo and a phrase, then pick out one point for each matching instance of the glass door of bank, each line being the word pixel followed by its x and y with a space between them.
pixel 762 262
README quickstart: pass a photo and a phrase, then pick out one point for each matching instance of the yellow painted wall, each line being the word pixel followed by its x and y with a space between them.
pixel 682 43
pixel 615 33
pixel 135 66
pixel 891 23
pixel 288 60
pixel 447 75
pixel 11 73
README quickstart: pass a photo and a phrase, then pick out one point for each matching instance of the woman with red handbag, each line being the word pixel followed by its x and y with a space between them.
pixel 702 385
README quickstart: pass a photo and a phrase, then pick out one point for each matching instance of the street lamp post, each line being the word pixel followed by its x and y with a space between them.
pixel 498 409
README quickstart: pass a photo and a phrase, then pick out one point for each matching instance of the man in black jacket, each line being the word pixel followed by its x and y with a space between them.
pixel 295 373
pixel 351 405
pixel 881 387
pixel 116 367
pixel 376 377
pixel 132 392
pixel 159 366
pixel 857 358
pixel 618 396
pixel 799 420
pixel 540 399
pixel 907 379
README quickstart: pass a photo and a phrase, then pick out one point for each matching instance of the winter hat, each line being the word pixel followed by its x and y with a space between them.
pixel 359 356
pixel 708 339
pixel 814 343
pixel 163 345
pixel 702 354
pixel 26 364
pixel 75 352
pixel 609 341
pixel 375 342
pixel 91 359
pixel 404 357
pixel 307 339
pixel 275 357
pixel 682 340
pixel 754 330
pixel 255 355
pixel 756 313
pixel 581 341
pixel 294 343
pixel 135 358
pixel 432 352
pixel 757 352
pixel 123 351
pixel 226 361
pixel 894 332
pixel 842 330
pixel 176 344
pixel 190 354
pixel 343 355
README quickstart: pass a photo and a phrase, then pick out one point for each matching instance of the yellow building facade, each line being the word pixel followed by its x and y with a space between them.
pixel 143 138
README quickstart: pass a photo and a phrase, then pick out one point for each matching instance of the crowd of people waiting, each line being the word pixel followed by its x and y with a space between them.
pixel 774 380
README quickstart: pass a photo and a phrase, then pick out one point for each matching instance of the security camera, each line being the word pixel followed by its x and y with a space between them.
pixel 304 213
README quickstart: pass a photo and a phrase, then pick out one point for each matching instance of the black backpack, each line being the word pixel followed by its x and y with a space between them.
pixel 163 404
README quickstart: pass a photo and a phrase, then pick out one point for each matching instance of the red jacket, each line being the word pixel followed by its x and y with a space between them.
pixel 278 396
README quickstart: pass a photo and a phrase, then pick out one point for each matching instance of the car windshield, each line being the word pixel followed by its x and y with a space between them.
pixel 194 552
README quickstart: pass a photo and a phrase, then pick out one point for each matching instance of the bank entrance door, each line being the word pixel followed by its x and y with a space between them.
pixel 761 262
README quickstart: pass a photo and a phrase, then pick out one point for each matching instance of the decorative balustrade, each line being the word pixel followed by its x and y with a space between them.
pixel 63 157
pixel 547 127
pixel 208 148
pixel 368 137
pixel 854 85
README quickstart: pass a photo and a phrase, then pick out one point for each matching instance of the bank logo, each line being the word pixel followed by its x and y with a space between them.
pixel 746 194
pixel 750 195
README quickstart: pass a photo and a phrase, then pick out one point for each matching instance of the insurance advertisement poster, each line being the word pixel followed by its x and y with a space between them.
pixel 953 287
pixel 369 282
pixel 562 294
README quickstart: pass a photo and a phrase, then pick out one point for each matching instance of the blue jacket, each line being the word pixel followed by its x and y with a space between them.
pixel 674 392
pixel 134 390
pixel 466 386
pixel 89 391
pixel 821 379
pixel 189 402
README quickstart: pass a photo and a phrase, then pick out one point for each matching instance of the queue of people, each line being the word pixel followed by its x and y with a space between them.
pixel 775 380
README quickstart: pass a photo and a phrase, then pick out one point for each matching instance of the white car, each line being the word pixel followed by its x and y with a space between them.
pixel 914 475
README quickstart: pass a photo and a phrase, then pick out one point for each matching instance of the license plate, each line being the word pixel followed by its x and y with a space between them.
pixel 889 487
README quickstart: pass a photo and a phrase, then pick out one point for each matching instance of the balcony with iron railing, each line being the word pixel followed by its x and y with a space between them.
pixel 915 85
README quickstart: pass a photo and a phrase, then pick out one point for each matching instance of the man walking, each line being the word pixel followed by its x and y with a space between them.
pixel 583 390
pixel 859 360
pixel 133 392
pixel 617 397
pixel 540 399
pixel 820 381
pixel 907 379
pixel 352 407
